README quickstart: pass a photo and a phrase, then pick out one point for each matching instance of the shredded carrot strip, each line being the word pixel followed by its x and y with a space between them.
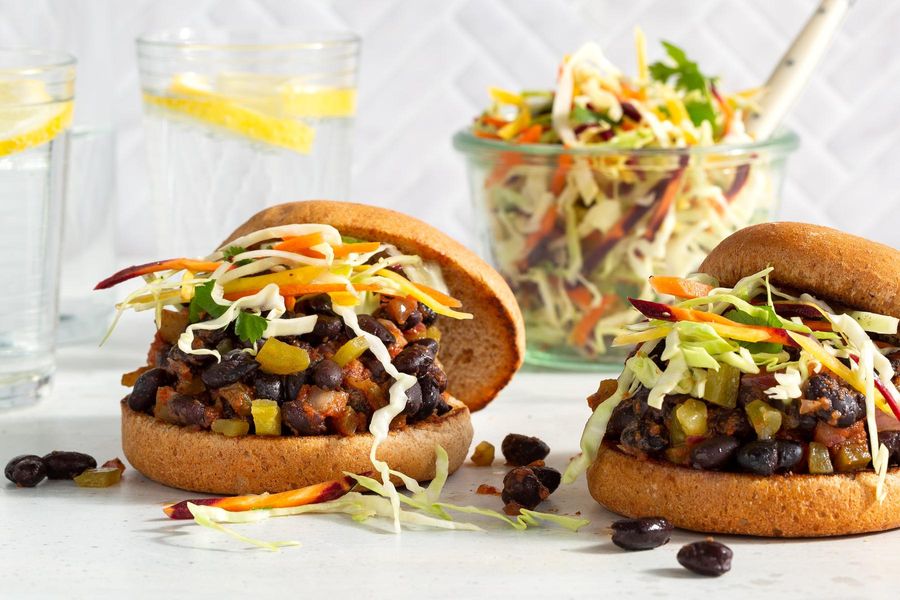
pixel 300 242
pixel 583 328
pixel 360 248
pixel 531 135
pixel 441 297
pixel 559 176
pixel 581 296
pixel 290 302
pixel 303 289
pixel 679 287
pixel 548 222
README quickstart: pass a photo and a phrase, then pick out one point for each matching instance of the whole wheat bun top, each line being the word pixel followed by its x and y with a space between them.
pixel 829 264
pixel 480 355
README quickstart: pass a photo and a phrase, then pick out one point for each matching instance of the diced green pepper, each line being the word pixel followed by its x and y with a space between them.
pixel 722 386
pixel 278 358
pixel 483 456
pixel 765 419
pixel 691 416
pixel 851 456
pixel 350 350
pixel 99 478
pixel 231 427
pixel 819 462
pixel 266 417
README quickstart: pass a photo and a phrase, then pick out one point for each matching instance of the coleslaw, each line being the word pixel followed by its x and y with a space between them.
pixel 590 188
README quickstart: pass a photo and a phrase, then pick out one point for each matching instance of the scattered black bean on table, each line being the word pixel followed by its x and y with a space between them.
pixel 523 488
pixel 706 558
pixel 644 533
pixel 26 470
pixel 521 450
pixel 66 465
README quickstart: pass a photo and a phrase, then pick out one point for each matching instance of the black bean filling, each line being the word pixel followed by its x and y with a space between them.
pixel 829 421
pixel 193 390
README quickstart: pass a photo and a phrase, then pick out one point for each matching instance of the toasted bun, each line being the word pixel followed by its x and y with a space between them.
pixel 479 355
pixel 714 502
pixel 207 462
pixel 824 262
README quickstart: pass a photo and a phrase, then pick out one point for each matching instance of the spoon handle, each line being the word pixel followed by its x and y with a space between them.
pixel 793 70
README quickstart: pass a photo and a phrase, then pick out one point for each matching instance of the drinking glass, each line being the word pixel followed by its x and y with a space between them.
pixel 88 236
pixel 237 121
pixel 36 96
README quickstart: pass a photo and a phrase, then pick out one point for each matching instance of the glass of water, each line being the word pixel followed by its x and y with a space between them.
pixel 237 121
pixel 36 95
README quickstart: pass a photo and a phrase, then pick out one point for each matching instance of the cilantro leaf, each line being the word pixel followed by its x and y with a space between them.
pixel 771 320
pixel 203 302
pixel 231 251
pixel 249 327
pixel 688 77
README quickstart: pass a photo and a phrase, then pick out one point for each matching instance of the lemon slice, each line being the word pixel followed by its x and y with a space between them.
pixel 28 116
pixel 287 96
pixel 255 119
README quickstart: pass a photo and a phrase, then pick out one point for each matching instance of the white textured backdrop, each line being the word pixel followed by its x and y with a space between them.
pixel 427 63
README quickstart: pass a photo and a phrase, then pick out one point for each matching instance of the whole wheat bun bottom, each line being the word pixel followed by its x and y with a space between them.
pixel 203 461
pixel 737 503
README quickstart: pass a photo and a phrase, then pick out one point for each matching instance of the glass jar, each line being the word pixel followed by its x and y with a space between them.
pixel 576 232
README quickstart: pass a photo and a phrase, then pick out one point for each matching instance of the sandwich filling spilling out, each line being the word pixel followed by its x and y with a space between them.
pixel 293 331
pixel 752 379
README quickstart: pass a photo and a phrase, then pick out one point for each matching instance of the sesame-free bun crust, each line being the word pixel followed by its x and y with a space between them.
pixel 738 503
pixel 479 355
pixel 203 461
pixel 829 264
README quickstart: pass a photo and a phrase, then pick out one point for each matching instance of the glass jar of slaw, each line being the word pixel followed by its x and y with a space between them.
pixel 577 231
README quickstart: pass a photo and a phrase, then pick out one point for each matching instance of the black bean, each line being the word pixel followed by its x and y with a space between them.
pixel 413 319
pixel 714 453
pixel 189 411
pixel 327 374
pixel 521 486
pixel 233 367
pixel 549 476
pixel 195 360
pixel 706 558
pixel 442 407
pixel 414 359
pixel 759 457
pixel 645 435
pixel 267 386
pixel 379 375
pixel 521 449
pixel 438 376
pixel 413 400
pixel 320 304
pixel 14 461
pixel 302 419
pixel 428 315
pixel 429 343
pixel 328 327
pixel 291 384
pixel 631 112
pixel 370 324
pixel 66 465
pixel 430 399
pixel 891 439
pixel 621 417
pixel 847 406
pixel 641 534
pixel 26 471
pixel 211 337
pixel 789 454
pixel 143 394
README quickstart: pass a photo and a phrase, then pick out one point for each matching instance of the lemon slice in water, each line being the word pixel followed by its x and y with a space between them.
pixel 28 115
pixel 258 107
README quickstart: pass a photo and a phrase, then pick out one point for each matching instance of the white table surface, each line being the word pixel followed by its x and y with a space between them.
pixel 58 540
